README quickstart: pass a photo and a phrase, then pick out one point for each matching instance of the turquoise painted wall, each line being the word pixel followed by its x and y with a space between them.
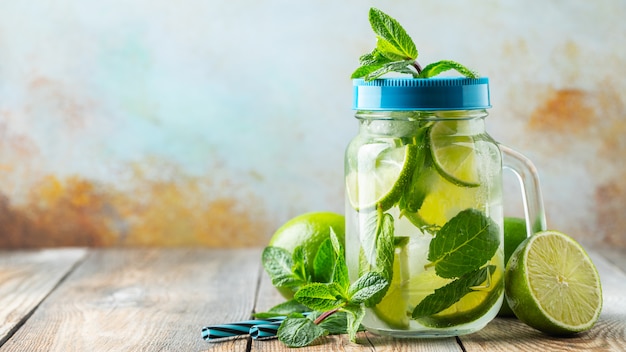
pixel 213 122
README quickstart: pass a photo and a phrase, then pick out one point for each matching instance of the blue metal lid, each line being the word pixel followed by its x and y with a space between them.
pixel 450 93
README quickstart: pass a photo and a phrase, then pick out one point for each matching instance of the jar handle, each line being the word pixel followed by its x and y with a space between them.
pixel 528 178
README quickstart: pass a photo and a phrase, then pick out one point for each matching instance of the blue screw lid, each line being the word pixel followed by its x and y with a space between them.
pixel 450 93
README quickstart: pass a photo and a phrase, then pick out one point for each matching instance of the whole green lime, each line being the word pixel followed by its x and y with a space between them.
pixel 308 230
pixel 514 234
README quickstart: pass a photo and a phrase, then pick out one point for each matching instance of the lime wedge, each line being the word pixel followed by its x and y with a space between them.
pixel 552 285
pixel 382 173
pixel 454 153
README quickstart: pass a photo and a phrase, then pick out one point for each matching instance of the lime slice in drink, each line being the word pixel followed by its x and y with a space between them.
pixel 454 153
pixel 440 200
pixel 393 308
pixel 472 306
pixel 381 175
pixel 552 285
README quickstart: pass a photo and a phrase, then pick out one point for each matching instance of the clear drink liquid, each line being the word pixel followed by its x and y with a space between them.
pixel 424 208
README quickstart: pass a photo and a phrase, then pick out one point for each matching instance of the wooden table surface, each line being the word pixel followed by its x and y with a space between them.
pixel 77 299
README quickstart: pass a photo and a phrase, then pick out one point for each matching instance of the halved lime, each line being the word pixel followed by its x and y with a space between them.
pixel 381 175
pixel 552 285
pixel 454 152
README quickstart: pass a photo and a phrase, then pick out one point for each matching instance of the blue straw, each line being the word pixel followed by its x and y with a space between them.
pixel 220 331
pixel 264 331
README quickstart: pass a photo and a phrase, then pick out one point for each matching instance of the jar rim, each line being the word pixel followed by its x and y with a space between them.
pixel 401 94
pixel 421 115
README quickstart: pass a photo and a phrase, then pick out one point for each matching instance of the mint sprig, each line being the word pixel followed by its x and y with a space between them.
pixel 395 51
pixel 337 295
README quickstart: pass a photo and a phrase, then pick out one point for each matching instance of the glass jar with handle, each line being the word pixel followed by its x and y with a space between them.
pixel 424 204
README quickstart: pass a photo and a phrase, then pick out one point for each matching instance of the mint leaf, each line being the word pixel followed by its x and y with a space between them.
pixel 385 247
pixel 336 323
pixel 394 66
pixel 463 244
pixel 451 293
pixel 377 243
pixel 284 308
pixel 355 315
pixel 340 272
pixel 370 62
pixel 320 296
pixel 366 286
pixel 375 58
pixel 445 65
pixel 300 267
pixel 324 262
pixel 278 264
pixel 391 31
pixel 395 51
pixel 299 332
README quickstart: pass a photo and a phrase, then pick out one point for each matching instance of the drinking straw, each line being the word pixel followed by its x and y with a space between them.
pixel 262 331
pixel 238 328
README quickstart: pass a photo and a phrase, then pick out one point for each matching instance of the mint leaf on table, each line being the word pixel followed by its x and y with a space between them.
pixel 300 267
pixel 465 243
pixel 445 65
pixel 321 296
pixel 356 312
pixel 451 293
pixel 334 297
pixel 324 262
pixel 335 323
pixel 283 309
pixel 340 271
pixel 299 332
pixel 366 287
pixel 279 265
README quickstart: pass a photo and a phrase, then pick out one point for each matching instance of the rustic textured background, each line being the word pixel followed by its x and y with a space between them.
pixel 212 122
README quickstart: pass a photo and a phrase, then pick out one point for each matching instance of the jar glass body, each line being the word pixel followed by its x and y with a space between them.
pixel 424 210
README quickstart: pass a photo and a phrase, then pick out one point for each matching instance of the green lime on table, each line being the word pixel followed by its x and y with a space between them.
pixel 308 230
pixel 380 183
pixel 552 285
pixel 454 153
pixel 514 234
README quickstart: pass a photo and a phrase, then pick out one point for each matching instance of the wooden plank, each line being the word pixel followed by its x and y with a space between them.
pixel 144 300
pixel 268 297
pixel 26 278
pixel 609 334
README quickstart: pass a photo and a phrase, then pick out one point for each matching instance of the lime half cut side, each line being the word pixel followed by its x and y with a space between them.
pixel 379 180
pixel 552 285
pixel 454 153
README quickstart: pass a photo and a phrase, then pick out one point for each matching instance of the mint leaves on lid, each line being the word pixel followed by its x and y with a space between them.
pixel 395 51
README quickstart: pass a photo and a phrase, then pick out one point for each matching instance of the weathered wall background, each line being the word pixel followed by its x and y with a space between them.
pixel 212 122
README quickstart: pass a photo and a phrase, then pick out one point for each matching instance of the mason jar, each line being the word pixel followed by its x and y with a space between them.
pixel 424 205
